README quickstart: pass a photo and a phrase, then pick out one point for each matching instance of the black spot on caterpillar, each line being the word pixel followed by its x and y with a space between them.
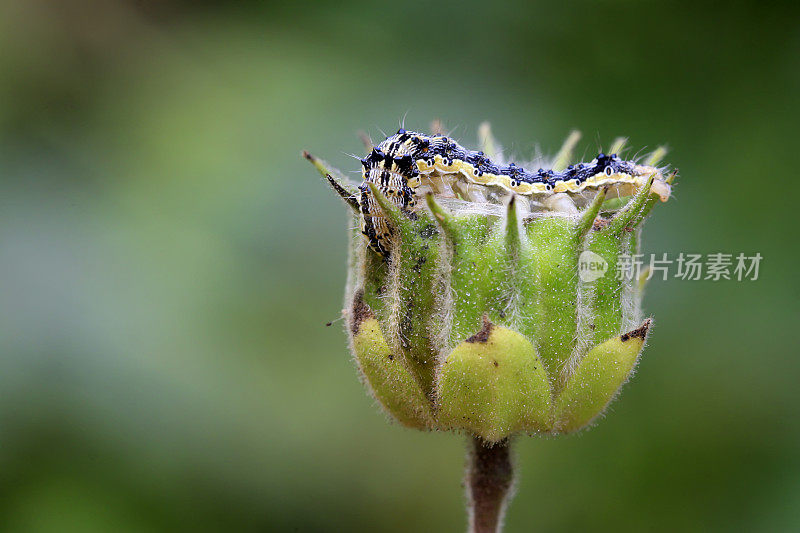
pixel 407 164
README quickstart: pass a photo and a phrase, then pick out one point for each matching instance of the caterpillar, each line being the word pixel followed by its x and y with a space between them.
pixel 408 164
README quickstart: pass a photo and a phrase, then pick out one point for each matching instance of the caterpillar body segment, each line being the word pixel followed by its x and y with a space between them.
pixel 407 165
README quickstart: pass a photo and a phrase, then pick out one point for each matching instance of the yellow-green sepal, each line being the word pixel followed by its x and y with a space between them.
pixel 388 378
pixel 596 380
pixel 492 385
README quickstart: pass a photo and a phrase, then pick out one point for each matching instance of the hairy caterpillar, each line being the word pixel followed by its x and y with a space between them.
pixel 408 164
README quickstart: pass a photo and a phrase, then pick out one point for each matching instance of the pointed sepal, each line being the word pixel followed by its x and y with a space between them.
pixel 589 214
pixel 597 379
pixel 386 374
pixel 486 140
pixel 347 194
pixel 618 145
pixel 390 210
pixel 624 218
pixel 567 150
pixel 442 217
pixel 513 230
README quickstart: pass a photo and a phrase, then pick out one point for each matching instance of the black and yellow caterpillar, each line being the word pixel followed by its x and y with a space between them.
pixel 408 163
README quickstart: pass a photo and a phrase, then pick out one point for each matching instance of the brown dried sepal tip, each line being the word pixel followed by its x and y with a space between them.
pixel 638 333
pixel 483 335
pixel 359 313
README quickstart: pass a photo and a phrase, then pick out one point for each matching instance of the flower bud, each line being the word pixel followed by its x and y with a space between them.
pixel 477 318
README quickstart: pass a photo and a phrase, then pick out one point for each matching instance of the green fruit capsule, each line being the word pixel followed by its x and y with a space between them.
pixel 474 314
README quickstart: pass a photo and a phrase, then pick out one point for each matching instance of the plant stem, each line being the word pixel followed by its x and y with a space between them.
pixel 489 479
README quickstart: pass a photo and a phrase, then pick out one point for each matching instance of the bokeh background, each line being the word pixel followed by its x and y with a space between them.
pixel 168 261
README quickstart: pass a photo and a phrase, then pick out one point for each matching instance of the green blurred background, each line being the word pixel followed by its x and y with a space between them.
pixel 169 262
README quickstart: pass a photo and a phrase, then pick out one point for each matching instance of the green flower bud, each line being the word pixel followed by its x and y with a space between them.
pixel 476 318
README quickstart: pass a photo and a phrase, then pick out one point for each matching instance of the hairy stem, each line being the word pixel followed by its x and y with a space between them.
pixel 490 477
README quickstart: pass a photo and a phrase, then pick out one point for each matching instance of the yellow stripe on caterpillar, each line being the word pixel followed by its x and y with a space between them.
pixel 408 164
